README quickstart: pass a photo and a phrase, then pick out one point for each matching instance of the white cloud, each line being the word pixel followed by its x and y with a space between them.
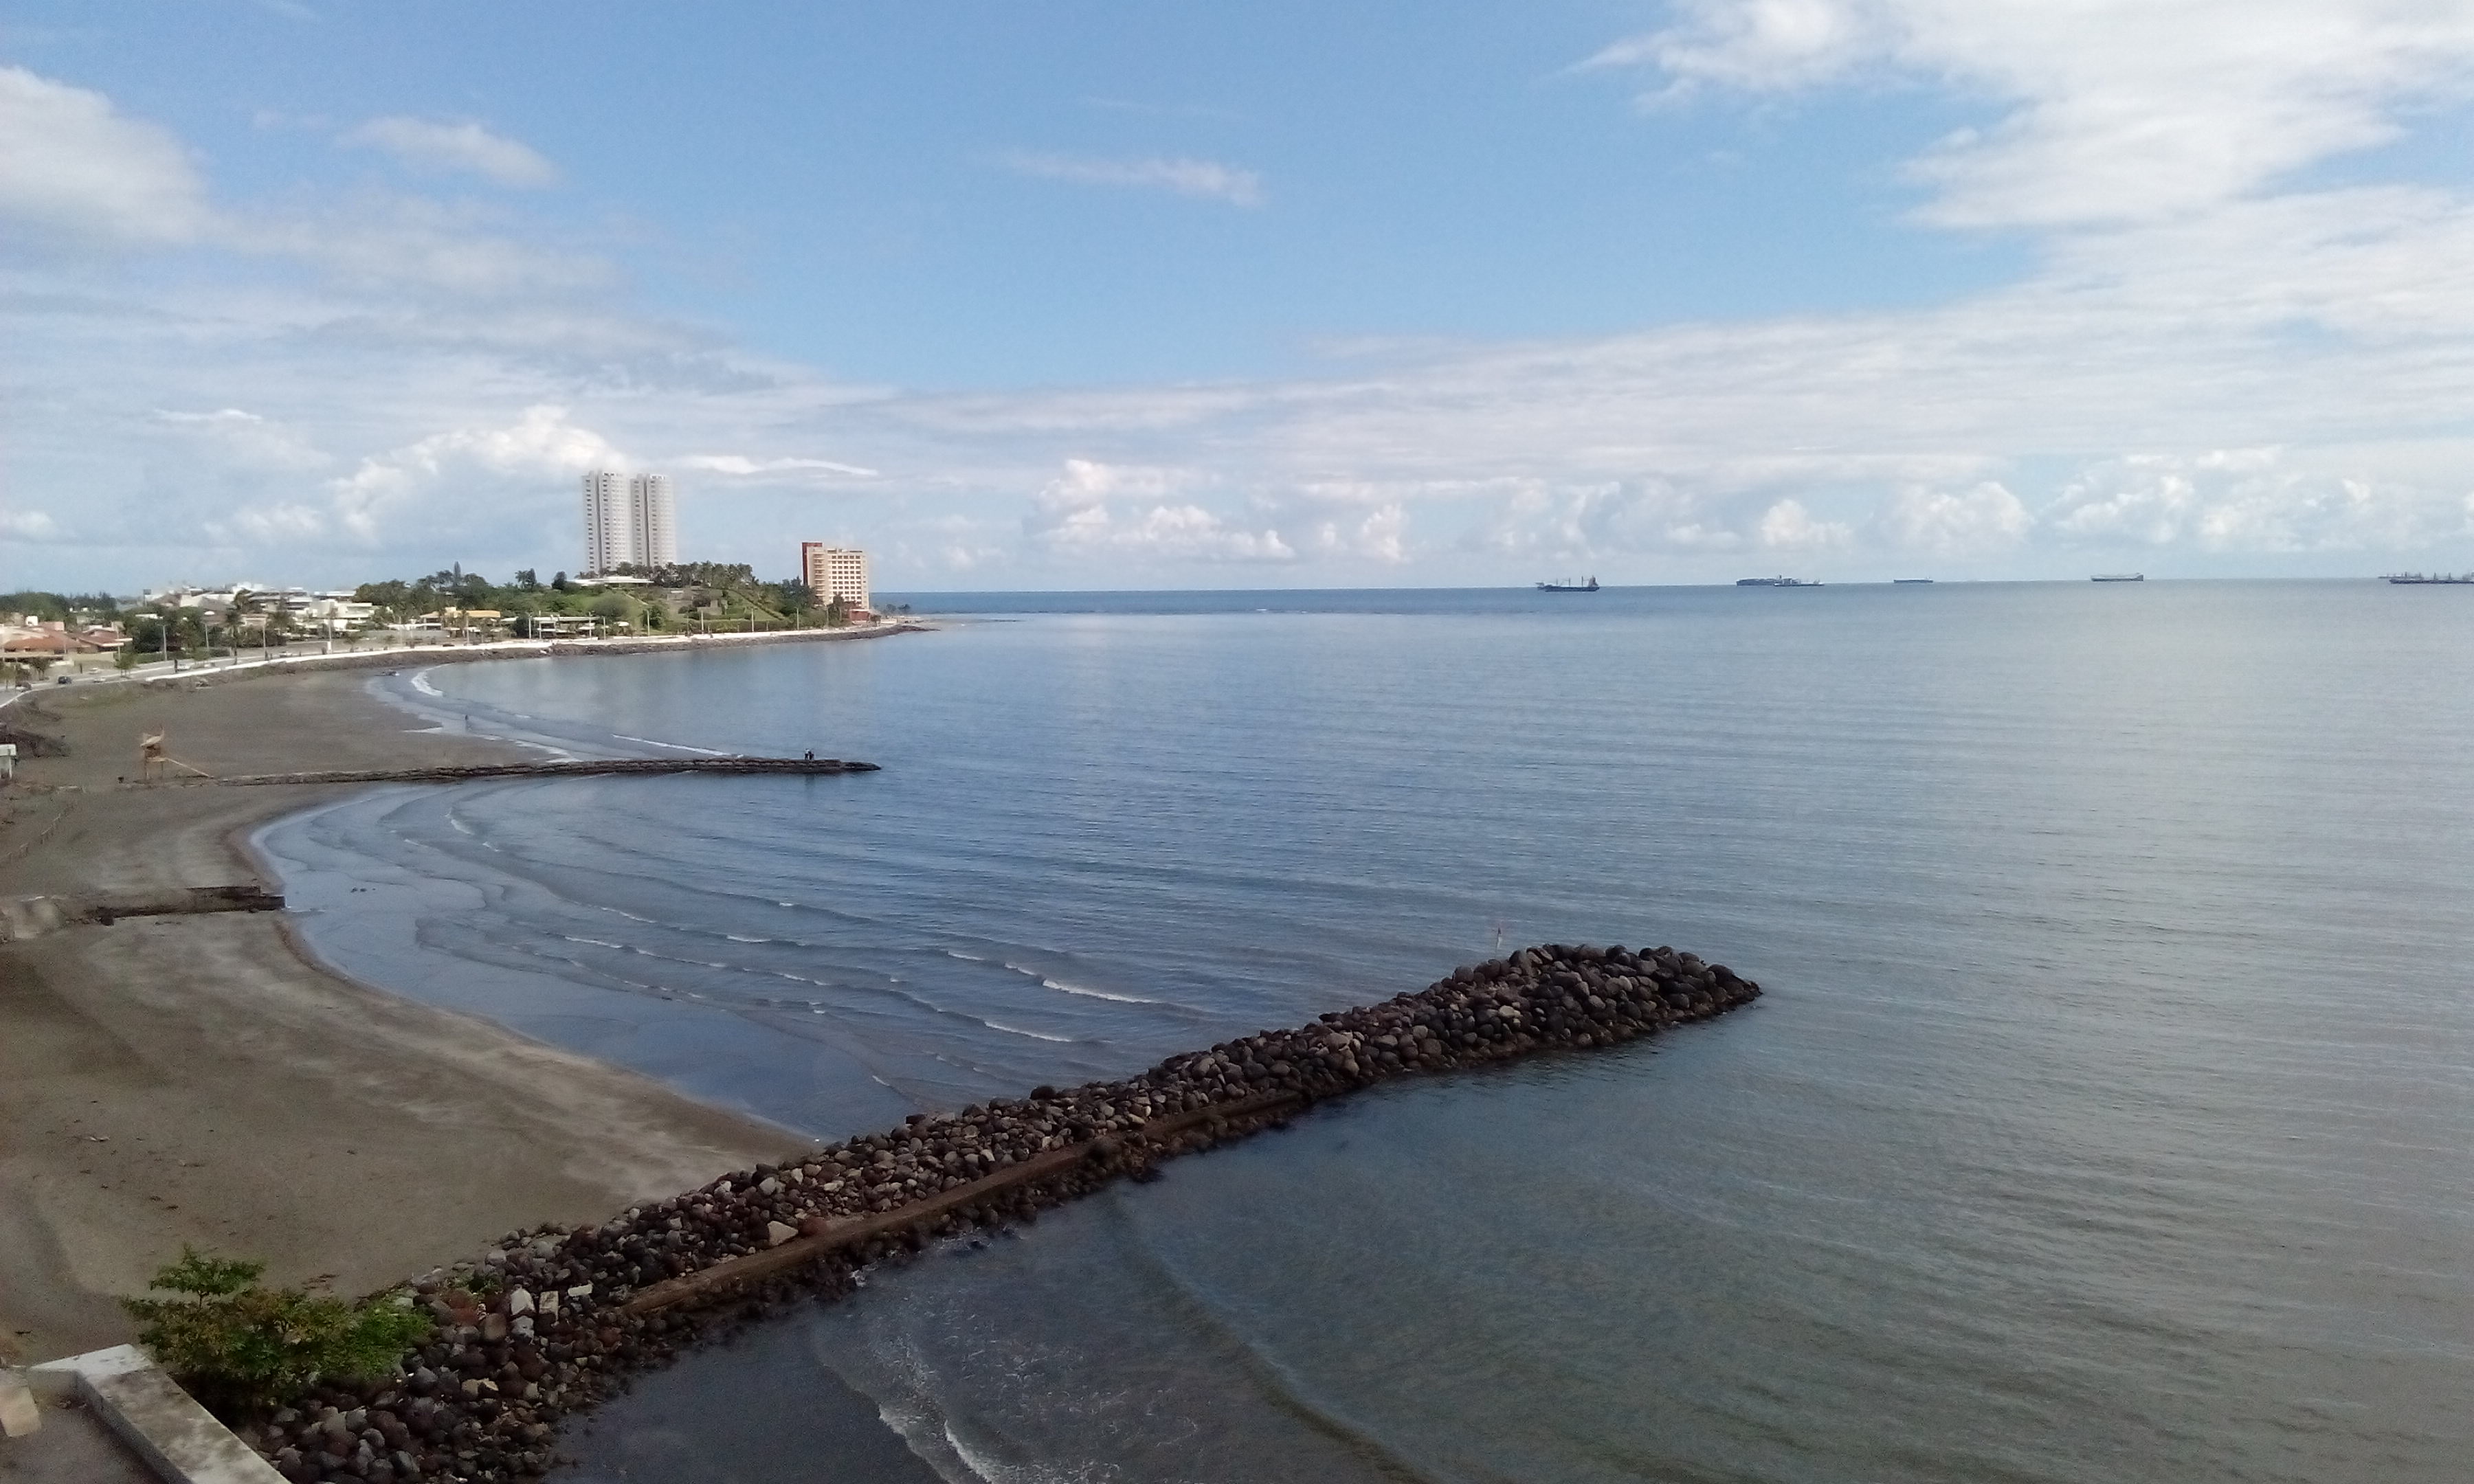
pixel 1787 526
pixel 956 545
pixel 375 241
pixel 742 467
pixel 74 165
pixel 279 524
pixel 433 479
pixel 247 441
pixel 1074 513
pixel 2116 110
pixel 466 147
pixel 1957 523
pixel 1204 179
pixel 2256 500
pixel 1380 534
pixel 27 525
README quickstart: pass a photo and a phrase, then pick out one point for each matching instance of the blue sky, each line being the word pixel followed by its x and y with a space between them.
pixel 1277 295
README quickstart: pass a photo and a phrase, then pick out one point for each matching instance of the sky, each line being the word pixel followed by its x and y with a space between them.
pixel 1186 295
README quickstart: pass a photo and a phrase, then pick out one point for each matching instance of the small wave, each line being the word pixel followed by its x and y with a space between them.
pixel 980 1466
pixel 1063 988
pixel 1088 992
pixel 675 747
pixel 1016 1030
pixel 596 941
pixel 736 938
pixel 420 682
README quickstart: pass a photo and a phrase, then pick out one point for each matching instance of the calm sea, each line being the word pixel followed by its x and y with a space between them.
pixel 2110 1114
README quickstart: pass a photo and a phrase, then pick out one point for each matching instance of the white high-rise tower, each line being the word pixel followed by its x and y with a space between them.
pixel 629 520
pixel 606 536
pixel 653 519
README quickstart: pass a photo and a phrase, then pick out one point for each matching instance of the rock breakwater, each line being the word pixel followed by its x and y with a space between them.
pixel 550 1322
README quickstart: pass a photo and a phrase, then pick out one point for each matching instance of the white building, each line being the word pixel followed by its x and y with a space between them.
pixel 834 572
pixel 653 520
pixel 629 519
pixel 606 539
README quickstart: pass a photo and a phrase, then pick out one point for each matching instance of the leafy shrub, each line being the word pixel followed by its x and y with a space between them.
pixel 241 1348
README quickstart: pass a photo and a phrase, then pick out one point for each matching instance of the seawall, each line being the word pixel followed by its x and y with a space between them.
pixel 552 1322
pixel 419 657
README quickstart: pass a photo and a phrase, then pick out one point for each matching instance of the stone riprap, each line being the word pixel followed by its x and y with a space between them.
pixel 552 1322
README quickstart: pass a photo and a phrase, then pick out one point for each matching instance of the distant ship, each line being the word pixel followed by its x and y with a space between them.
pixel 1570 585
pixel 1904 582
pixel 1774 581
pixel 2418 580
pixel 2119 577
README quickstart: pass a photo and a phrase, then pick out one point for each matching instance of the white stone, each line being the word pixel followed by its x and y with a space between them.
pixel 769 1186
pixel 776 1234
pixel 520 1300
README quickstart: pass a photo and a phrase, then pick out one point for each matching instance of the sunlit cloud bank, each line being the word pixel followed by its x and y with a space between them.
pixel 2221 362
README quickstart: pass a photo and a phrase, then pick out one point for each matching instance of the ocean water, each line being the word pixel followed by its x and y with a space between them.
pixel 2109 1116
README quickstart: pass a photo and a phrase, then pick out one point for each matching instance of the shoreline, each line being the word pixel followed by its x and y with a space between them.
pixel 209 1080
pixel 235 668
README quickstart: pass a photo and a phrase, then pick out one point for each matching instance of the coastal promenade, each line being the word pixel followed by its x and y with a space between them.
pixel 197 1079
pixel 394 657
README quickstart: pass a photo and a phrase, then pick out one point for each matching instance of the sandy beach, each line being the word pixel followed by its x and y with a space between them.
pixel 198 1079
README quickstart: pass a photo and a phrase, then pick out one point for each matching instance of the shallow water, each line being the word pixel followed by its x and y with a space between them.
pixel 2108 1115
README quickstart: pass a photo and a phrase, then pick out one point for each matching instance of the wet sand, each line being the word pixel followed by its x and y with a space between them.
pixel 198 1079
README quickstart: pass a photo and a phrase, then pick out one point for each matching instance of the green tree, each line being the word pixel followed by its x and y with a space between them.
pixel 242 1349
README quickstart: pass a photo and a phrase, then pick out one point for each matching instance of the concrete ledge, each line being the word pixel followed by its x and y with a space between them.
pixel 30 916
pixel 178 1439
pixel 19 1415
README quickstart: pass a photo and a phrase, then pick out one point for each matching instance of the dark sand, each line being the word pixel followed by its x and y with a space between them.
pixel 196 1079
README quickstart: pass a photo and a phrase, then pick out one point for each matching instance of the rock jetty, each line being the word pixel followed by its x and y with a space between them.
pixel 550 1322
pixel 577 769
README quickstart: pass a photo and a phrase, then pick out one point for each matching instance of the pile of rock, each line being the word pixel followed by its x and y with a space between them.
pixel 549 1321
